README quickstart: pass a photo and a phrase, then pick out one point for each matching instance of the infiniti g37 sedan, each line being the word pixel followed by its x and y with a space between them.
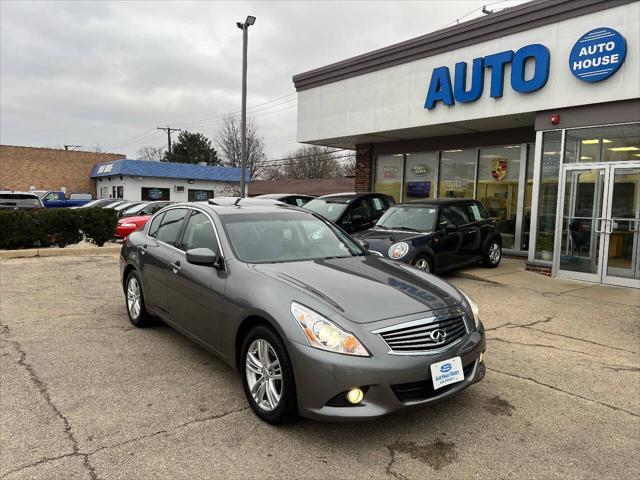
pixel 315 324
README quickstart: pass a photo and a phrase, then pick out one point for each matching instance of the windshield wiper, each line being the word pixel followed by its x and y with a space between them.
pixel 408 229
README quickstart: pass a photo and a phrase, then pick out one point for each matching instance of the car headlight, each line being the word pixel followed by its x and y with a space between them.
pixel 129 225
pixel 398 250
pixel 326 335
pixel 474 308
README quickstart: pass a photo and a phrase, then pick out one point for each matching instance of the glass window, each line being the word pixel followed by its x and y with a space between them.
pixel 329 207
pixel 419 175
pixel 457 173
pixel 155 193
pixel 417 218
pixel 498 180
pixel 453 215
pixel 378 204
pixel 548 199
pixel 276 237
pixel 155 224
pixel 528 195
pixel 170 226
pixel 199 233
pixel 389 175
pixel 618 143
pixel 476 213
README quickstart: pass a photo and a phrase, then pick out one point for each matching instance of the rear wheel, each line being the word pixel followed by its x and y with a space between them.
pixel 136 310
pixel 422 262
pixel 267 376
pixel 492 254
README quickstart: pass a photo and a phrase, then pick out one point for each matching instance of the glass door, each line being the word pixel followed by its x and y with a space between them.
pixel 622 227
pixel 580 238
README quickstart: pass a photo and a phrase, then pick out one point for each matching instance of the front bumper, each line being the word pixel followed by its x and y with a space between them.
pixel 124 232
pixel 394 382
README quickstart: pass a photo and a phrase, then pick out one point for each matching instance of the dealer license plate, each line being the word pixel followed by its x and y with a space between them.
pixel 447 372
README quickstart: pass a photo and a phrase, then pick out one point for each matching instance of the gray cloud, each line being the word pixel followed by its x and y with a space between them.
pixel 103 72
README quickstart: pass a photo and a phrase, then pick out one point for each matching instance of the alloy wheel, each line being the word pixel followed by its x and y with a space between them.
pixel 494 253
pixel 423 264
pixel 134 298
pixel 264 374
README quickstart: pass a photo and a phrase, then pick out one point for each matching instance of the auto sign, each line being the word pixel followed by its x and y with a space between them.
pixel 597 55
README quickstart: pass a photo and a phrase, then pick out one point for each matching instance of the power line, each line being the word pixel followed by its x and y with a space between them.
pixel 169 130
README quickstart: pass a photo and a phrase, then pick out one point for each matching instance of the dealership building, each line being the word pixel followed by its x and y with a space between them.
pixel 534 110
pixel 179 182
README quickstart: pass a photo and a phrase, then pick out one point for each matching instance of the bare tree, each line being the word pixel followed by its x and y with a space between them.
pixel 228 139
pixel 154 154
pixel 308 162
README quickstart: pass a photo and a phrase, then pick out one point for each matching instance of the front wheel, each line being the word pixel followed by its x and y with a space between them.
pixel 267 376
pixel 422 262
pixel 136 309
pixel 492 255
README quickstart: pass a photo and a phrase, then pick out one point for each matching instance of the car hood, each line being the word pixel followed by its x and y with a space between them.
pixel 379 237
pixel 140 220
pixel 365 289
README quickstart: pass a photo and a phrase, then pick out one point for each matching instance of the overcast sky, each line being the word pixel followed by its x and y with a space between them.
pixel 107 73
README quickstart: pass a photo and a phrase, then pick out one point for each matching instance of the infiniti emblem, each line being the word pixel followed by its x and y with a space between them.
pixel 438 335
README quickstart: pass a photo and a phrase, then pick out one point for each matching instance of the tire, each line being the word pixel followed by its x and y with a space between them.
pixel 137 312
pixel 259 341
pixel 424 263
pixel 492 254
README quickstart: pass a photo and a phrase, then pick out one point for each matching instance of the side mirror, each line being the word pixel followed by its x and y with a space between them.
pixel 450 228
pixel 363 243
pixel 204 256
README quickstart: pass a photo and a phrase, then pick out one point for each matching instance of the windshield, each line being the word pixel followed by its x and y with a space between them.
pixel 17 200
pixel 421 219
pixel 136 208
pixel 330 208
pixel 290 237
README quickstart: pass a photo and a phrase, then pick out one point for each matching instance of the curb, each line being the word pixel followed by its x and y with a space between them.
pixel 59 252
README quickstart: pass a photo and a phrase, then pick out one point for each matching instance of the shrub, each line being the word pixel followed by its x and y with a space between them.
pixel 56 226
pixel 98 224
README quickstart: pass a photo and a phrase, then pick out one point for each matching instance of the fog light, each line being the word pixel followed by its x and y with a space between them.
pixel 355 395
pixel 481 357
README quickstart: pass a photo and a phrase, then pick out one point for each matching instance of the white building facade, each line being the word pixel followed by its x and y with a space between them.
pixel 534 110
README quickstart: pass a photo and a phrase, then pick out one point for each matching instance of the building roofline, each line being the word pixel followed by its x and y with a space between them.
pixel 63 150
pixel 505 22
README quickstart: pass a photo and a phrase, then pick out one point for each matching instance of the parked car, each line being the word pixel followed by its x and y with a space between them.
pixel 315 324
pixel 10 200
pixel 144 209
pixel 436 235
pixel 126 206
pixel 53 199
pixel 351 211
pixel 130 223
pixel 115 204
pixel 295 199
pixel 99 203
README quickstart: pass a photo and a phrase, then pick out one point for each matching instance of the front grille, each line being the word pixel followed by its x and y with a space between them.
pixel 423 390
pixel 419 336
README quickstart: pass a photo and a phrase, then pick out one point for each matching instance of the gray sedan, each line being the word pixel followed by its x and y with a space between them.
pixel 315 324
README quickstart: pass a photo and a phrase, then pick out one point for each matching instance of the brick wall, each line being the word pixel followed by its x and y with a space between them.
pixel 364 168
pixel 49 168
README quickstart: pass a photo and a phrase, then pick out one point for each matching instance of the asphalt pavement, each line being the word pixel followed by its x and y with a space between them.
pixel 83 394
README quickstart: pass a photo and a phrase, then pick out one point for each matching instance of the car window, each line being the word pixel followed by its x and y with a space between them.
pixel 170 226
pixel 378 204
pixel 409 217
pixel 453 215
pixel 155 224
pixel 329 207
pixel 155 208
pixel 199 233
pixel 52 196
pixel 300 201
pixel 18 200
pixel 361 207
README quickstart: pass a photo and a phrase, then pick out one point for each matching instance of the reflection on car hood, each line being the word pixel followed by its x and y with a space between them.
pixel 140 219
pixel 382 237
pixel 365 289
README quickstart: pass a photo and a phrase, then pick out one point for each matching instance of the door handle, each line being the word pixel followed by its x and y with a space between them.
pixel 143 249
pixel 637 224
pixel 601 229
pixel 176 267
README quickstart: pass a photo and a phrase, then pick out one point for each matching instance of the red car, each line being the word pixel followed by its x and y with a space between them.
pixel 129 225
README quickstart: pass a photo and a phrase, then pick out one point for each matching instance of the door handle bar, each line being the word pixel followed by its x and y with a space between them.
pixel 176 267
pixel 601 229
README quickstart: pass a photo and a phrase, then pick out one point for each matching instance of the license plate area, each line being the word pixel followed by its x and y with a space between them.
pixel 447 372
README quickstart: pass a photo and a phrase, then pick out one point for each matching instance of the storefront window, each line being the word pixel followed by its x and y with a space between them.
pixel 618 143
pixel 457 173
pixel 528 196
pixel 551 146
pixel 498 179
pixel 389 175
pixel 419 175
pixel 155 193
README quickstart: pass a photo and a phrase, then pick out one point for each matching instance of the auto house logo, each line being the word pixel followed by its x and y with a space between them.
pixel 597 55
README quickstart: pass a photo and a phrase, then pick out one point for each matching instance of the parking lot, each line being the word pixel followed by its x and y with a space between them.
pixel 86 395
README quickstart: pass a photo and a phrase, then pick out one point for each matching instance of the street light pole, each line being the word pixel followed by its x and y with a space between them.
pixel 243 138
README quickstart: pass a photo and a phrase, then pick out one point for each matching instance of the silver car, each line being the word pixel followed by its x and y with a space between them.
pixel 315 325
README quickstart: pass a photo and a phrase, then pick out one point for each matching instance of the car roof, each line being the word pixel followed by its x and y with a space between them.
pixel 436 202
pixel 12 192
pixel 278 196
pixel 245 206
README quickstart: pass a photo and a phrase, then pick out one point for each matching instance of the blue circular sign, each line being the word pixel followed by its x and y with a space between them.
pixel 597 55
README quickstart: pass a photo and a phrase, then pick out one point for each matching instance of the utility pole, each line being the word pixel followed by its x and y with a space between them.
pixel 67 147
pixel 243 160
pixel 169 130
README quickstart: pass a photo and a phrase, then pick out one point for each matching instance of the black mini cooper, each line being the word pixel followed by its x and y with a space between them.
pixel 436 235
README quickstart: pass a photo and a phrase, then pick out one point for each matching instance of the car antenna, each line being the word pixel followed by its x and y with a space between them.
pixel 237 201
